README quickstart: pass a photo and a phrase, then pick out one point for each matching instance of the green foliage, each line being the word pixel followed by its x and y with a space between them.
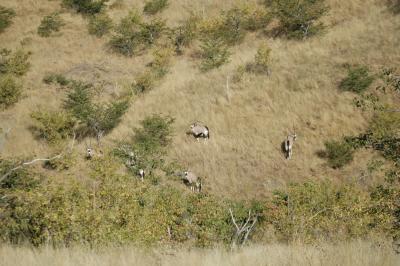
pixel 89 7
pixel 10 92
pixel 184 34
pixel 152 7
pixel 63 163
pixel 50 24
pixel 144 82
pixel 337 153
pixel 214 54
pixel 55 78
pixel 19 179
pixel 298 19
pixel 358 80
pixel 6 15
pixel 100 24
pixel 97 119
pixel 161 61
pixel 132 34
pixel 14 63
pixel 53 126
pixel 312 211
pixel 261 60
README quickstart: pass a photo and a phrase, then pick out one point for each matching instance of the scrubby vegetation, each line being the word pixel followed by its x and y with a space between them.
pixel 214 53
pixel 14 63
pixel 100 24
pixel 90 7
pixel 338 153
pixel 154 6
pixel 50 24
pixel 6 15
pixel 10 91
pixel 358 79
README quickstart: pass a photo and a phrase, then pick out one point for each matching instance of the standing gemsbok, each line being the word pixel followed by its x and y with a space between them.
pixel 199 131
pixel 287 145
pixel 193 181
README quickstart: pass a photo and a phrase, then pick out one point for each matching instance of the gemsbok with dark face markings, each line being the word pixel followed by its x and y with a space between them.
pixel 193 181
pixel 199 131
pixel 287 145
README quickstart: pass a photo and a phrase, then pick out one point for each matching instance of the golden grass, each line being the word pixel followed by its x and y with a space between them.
pixel 357 253
pixel 248 123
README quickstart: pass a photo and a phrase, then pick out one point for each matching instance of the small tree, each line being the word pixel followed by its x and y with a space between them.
pixel 358 80
pixel 100 24
pixel 49 24
pixel 214 54
pixel 261 60
pixel 299 18
pixel 184 34
pixel 79 101
pixel 53 126
pixel 337 153
pixel 6 15
pixel 14 63
pixel 10 92
pixel 89 7
pixel 154 6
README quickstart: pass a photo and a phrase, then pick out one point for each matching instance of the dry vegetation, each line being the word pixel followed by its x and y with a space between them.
pixel 297 89
pixel 357 253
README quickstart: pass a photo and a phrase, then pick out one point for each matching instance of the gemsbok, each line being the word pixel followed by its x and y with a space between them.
pixel 193 181
pixel 199 131
pixel 288 145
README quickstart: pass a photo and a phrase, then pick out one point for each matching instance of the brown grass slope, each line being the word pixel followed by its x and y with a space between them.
pixel 248 122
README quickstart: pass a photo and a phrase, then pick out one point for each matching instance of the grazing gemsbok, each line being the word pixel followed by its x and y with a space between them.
pixel 193 181
pixel 141 174
pixel 199 131
pixel 288 145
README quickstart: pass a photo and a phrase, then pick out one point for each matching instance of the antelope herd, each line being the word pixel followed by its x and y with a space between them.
pixel 199 130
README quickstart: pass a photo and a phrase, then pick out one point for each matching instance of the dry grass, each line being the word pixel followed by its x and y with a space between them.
pixel 243 157
pixel 357 253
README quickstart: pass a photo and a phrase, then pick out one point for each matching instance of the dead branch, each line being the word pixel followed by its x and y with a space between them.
pixel 243 231
pixel 38 160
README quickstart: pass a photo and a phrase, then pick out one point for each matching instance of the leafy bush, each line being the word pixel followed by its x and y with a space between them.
pixel 311 211
pixel 6 15
pixel 255 17
pixel 338 153
pixel 161 61
pixel 144 82
pixel 55 78
pixel 10 92
pixel 53 126
pixel 214 54
pixel 89 7
pixel 97 119
pixel 14 63
pixel 132 34
pixel 184 34
pixel 298 19
pixel 261 60
pixel 63 163
pixel 154 6
pixel 100 24
pixel 49 24
pixel 358 80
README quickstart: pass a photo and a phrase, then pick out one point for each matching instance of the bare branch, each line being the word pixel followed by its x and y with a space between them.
pixel 233 219
pixel 37 160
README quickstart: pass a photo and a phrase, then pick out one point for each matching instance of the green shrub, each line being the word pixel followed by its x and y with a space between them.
pixel 79 101
pixel 63 163
pixel 337 153
pixel 184 34
pixel 19 179
pixel 50 24
pixel 358 80
pixel 315 211
pixel 89 7
pixel 14 63
pixel 255 17
pixel 144 82
pixel 55 78
pixel 6 15
pixel 100 24
pixel 261 60
pixel 298 19
pixel 126 37
pixel 151 31
pixel 154 6
pixel 161 61
pixel 53 126
pixel 10 92
pixel 214 54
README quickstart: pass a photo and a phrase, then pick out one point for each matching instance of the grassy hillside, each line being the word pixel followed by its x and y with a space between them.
pixel 127 78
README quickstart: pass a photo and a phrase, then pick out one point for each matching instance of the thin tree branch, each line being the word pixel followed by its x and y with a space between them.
pixel 233 219
pixel 37 160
